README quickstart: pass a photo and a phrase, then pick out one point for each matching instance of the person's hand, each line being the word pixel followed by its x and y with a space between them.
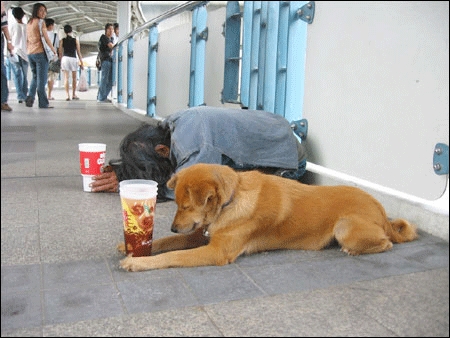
pixel 105 182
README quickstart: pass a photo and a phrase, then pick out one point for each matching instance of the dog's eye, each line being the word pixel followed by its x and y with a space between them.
pixel 185 207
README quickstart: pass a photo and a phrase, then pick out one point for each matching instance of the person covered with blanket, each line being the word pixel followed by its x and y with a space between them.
pixel 240 138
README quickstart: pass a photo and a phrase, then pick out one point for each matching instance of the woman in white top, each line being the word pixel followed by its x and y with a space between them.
pixel 69 48
pixel 18 32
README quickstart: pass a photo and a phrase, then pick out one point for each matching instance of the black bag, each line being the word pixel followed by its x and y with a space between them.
pixel 98 62
pixel 55 66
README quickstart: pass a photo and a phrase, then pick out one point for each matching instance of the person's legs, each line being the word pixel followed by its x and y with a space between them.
pixel 109 81
pixel 5 91
pixel 66 84
pixel 74 85
pixel 50 83
pixel 42 76
pixel 33 84
pixel 24 78
pixel 17 75
pixel 106 81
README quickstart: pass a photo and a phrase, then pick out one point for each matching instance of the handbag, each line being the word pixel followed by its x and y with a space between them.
pixel 48 51
pixel 54 66
pixel 98 62
pixel 82 82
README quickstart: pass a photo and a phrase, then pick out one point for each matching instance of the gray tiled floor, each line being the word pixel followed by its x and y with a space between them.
pixel 60 273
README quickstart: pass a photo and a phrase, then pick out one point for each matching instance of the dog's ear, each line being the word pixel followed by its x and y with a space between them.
pixel 228 180
pixel 202 193
pixel 171 183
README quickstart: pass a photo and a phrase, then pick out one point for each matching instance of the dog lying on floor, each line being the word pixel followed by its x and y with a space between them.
pixel 222 214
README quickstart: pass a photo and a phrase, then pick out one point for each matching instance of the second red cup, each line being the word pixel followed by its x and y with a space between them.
pixel 92 159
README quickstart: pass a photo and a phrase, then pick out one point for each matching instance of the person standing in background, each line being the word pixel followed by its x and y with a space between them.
pixel 52 76
pixel 9 46
pixel 115 36
pixel 114 39
pixel 37 57
pixel 19 41
pixel 69 48
pixel 105 47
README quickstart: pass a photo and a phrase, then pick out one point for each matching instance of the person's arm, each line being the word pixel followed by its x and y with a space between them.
pixel 5 31
pixel 47 39
pixel 79 54
pixel 61 48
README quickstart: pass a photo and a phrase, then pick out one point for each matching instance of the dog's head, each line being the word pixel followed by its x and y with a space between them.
pixel 201 192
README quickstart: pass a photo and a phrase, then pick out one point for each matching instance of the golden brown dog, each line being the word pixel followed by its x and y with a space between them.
pixel 222 214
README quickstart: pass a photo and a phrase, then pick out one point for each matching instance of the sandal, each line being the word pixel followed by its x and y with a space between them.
pixel 51 98
pixel 75 98
pixel 68 99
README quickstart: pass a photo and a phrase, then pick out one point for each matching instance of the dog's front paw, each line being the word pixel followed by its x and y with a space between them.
pixel 350 252
pixel 132 264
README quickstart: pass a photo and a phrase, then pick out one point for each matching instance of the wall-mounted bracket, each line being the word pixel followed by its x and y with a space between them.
pixel 300 127
pixel 152 100
pixel 306 12
pixel 203 34
pixel 440 159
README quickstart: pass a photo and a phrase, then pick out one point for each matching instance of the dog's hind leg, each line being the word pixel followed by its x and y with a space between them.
pixel 359 236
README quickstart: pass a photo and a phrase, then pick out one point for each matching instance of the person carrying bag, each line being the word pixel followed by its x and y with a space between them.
pixel 50 52
pixel 37 56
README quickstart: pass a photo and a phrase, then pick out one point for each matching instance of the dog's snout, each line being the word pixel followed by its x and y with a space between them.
pixel 180 228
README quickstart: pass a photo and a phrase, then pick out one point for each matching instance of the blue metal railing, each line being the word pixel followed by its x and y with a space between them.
pixel 273 56
pixel 197 47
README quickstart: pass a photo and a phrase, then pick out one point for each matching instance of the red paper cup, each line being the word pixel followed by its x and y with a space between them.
pixel 92 158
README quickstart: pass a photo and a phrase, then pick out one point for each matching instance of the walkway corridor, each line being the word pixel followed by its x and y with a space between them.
pixel 60 274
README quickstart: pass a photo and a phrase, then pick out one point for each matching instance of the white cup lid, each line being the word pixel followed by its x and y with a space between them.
pixel 138 189
pixel 92 147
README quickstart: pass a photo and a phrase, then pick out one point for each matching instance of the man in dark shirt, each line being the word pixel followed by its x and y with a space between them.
pixel 105 46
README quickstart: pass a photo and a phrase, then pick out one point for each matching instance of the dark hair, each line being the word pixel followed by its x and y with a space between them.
pixel 36 7
pixel 67 29
pixel 107 26
pixel 49 22
pixel 116 25
pixel 18 13
pixel 139 159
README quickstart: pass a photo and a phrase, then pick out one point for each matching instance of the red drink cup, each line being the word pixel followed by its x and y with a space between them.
pixel 92 159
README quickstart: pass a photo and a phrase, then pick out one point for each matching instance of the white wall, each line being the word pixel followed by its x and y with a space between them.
pixel 376 91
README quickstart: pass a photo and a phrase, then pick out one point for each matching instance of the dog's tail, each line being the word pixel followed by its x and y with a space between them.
pixel 401 231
